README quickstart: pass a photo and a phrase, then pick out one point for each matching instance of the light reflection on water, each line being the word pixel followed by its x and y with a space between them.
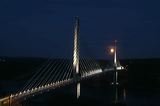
pixel 113 95
pixel 109 95
pixel 98 95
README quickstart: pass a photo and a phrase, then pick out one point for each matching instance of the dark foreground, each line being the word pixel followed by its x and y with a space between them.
pixel 139 85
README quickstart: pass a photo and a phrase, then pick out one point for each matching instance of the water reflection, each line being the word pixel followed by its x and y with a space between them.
pixel 120 96
pixel 115 96
pixel 124 95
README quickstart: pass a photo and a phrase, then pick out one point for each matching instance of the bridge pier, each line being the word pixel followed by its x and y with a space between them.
pixel 115 78
pixel 78 90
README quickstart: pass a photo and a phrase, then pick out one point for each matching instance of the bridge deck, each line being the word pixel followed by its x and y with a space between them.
pixel 47 87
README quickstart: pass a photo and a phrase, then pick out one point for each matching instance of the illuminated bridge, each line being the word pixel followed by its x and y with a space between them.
pixel 55 73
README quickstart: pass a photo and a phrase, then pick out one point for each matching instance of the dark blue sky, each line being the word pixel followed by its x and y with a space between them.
pixel 44 28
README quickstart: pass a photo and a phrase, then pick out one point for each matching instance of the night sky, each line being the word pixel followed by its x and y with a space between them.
pixel 44 28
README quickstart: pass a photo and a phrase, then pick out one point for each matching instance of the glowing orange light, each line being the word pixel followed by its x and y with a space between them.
pixel 112 50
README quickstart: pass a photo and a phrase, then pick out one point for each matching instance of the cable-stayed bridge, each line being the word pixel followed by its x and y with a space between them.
pixel 58 73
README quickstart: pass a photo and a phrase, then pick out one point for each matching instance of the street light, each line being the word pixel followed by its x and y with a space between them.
pixel 112 50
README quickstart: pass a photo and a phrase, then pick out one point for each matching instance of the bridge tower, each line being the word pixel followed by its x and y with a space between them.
pixel 115 65
pixel 115 62
pixel 76 56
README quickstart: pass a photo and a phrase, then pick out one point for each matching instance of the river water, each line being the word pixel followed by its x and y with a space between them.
pixel 138 86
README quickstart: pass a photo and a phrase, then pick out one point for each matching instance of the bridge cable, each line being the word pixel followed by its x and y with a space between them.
pixel 29 85
pixel 49 75
pixel 40 78
pixel 37 72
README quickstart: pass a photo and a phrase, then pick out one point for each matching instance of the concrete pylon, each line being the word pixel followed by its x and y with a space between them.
pixel 115 65
pixel 115 53
pixel 76 56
